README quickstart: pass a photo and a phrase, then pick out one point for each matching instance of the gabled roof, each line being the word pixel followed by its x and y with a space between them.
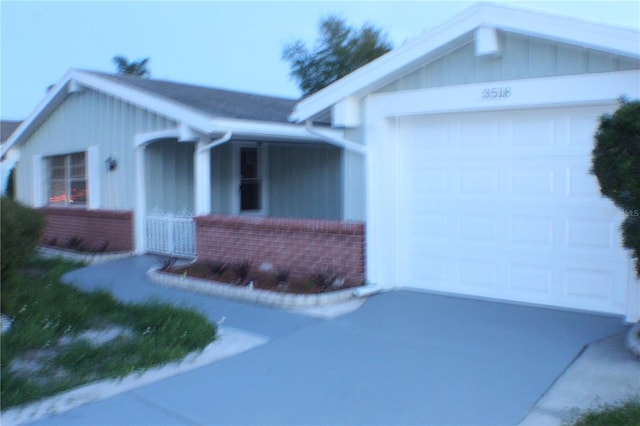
pixel 204 109
pixel 212 101
pixel 199 110
pixel 7 127
pixel 385 69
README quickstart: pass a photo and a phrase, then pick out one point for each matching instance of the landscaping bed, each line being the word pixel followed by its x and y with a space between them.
pixel 242 274
pixel 60 337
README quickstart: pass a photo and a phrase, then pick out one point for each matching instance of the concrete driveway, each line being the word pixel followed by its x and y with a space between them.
pixel 403 358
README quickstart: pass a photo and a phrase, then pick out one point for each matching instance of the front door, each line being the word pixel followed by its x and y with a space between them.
pixel 251 180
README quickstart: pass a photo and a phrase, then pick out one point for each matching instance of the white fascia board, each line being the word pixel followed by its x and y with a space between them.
pixel 262 129
pixel 194 119
pixel 75 79
pixel 529 93
pixel 57 92
pixel 563 29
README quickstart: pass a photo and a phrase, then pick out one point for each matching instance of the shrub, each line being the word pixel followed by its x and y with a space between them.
pixel 241 269
pixel 20 228
pixel 323 279
pixel 217 267
pixel 282 276
pixel 616 164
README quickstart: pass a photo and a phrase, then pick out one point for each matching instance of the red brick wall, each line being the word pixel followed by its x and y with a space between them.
pixel 303 246
pixel 92 227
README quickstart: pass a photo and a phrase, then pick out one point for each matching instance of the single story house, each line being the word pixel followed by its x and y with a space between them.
pixel 465 153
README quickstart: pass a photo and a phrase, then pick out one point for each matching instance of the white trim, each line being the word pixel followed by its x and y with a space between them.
pixel 202 178
pixel 140 208
pixel 144 138
pixel 329 136
pixel 198 121
pixel 58 91
pixel 385 68
pixel 223 139
pixel 236 180
pixel 531 93
pixel 94 172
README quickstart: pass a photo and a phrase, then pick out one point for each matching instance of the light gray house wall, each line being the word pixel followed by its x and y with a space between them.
pixel 169 176
pixel 89 120
pixel 520 57
pixel 305 181
pixel 221 179
pixel 302 181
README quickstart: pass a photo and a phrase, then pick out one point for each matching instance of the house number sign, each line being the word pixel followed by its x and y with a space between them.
pixel 495 93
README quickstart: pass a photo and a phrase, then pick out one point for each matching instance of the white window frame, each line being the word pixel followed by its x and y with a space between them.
pixel 67 179
pixel 263 174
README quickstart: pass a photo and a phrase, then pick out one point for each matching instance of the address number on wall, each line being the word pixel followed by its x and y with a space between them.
pixel 491 93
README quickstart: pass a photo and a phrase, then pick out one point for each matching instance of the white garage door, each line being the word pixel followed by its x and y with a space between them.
pixel 502 205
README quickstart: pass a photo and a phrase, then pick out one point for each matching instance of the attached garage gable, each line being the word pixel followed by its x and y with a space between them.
pixel 479 137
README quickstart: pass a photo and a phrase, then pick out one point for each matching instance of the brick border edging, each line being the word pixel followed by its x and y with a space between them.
pixel 89 258
pixel 263 297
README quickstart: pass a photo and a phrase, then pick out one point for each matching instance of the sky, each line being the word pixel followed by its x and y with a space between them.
pixel 234 45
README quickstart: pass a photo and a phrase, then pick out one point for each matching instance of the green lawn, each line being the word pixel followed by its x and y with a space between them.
pixel 42 354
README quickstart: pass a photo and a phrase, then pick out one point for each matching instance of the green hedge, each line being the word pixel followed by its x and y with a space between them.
pixel 616 164
pixel 20 231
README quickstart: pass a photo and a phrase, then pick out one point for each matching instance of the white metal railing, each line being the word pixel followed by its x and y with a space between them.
pixel 173 234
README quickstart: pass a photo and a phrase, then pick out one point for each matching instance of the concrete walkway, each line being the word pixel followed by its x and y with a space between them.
pixel 403 358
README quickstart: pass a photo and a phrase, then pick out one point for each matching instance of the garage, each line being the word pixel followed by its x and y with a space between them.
pixel 477 139
pixel 501 204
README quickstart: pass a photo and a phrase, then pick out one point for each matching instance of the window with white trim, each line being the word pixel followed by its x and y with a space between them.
pixel 67 179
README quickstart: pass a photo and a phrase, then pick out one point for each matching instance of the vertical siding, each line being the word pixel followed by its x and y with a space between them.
pixel 87 119
pixel 521 57
pixel 354 186
pixel 221 179
pixel 305 182
pixel 169 168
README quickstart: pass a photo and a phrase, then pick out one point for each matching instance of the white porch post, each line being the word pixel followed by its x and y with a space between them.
pixel 140 212
pixel 202 178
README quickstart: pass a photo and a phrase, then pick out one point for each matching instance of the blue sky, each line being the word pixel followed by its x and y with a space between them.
pixel 234 45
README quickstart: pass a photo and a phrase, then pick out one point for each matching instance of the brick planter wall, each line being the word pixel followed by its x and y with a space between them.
pixel 92 227
pixel 301 245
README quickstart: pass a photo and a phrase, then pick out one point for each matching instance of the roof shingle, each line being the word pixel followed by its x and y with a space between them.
pixel 211 101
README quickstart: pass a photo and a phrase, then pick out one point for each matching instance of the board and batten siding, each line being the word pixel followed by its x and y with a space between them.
pixel 89 120
pixel 221 179
pixel 170 176
pixel 305 182
pixel 521 57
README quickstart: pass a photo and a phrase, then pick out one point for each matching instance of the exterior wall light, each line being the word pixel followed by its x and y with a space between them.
pixel 111 164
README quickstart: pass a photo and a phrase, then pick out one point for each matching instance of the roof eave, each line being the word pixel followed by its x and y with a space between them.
pixel 383 69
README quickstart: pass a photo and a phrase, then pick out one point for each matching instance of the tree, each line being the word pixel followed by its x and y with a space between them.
pixel 616 164
pixel 136 68
pixel 339 50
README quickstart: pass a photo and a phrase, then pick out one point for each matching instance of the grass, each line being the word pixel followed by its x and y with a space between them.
pixel 627 414
pixel 45 311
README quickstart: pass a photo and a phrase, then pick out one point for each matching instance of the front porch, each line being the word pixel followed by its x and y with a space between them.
pixel 279 204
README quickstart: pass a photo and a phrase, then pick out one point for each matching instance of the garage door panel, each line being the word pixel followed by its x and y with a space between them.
pixel 532 231
pixel 502 205
pixel 533 181
pixel 531 278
